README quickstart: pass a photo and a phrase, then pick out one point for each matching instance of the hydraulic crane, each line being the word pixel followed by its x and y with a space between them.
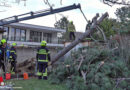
pixel 31 15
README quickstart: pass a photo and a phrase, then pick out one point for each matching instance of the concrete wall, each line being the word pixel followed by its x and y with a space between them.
pixel 25 53
pixel 28 53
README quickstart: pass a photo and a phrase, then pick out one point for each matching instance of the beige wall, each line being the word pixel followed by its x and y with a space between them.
pixel 28 53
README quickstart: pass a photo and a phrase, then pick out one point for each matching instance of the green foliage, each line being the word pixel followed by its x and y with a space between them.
pixel 63 24
pixel 107 26
pixel 124 16
pixel 102 68
pixel 76 83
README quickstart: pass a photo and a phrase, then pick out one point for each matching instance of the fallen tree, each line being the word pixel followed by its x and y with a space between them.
pixel 74 43
pixel 93 68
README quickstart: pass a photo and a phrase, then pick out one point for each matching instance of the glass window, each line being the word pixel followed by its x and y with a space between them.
pixel 6 33
pixel 39 36
pixel 35 36
pixel 23 35
pixel 12 34
pixel 48 37
pixel 18 35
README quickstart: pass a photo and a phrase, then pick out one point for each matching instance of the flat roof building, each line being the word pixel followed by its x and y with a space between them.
pixel 30 36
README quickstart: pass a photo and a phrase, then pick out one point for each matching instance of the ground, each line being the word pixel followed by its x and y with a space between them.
pixel 35 84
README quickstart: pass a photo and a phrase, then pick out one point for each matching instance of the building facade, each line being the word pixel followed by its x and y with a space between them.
pixel 28 38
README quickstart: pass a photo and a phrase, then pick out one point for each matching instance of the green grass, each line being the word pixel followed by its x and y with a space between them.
pixel 35 84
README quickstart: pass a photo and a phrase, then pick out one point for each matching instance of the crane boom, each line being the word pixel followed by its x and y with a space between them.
pixel 36 14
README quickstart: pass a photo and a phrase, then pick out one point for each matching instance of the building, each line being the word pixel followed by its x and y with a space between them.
pixel 28 38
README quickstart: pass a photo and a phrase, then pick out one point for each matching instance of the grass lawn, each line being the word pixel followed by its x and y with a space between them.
pixel 35 84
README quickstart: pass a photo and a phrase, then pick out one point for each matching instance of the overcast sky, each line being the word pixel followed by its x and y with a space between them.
pixel 90 8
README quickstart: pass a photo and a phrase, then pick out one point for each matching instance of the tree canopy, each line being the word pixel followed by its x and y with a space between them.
pixel 62 23
pixel 123 15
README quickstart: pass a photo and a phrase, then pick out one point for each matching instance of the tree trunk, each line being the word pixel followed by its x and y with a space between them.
pixel 78 40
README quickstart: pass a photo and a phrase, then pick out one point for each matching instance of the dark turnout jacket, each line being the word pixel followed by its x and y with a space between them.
pixel 13 54
pixel 43 54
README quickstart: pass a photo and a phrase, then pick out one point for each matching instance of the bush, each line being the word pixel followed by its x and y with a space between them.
pixel 102 67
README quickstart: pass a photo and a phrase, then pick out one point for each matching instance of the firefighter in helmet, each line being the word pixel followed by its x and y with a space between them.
pixel 43 57
pixel 13 57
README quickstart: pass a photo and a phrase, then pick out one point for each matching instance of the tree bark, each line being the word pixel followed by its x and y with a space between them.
pixel 78 40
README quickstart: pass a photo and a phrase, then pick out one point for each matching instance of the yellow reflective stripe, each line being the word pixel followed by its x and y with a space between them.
pixel 39 74
pixel 10 56
pixel 12 72
pixel 12 51
pixel 12 69
pixel 45 74
pixel 43 60
pixel 42 51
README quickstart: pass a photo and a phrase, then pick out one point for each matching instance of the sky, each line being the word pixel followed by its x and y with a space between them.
pixel 89 7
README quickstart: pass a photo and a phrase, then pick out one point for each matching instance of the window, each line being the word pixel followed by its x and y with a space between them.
pixel 39 34
pixel 23 35
pixel 6 33
pixel 18 35
pixel 48 37
pixel 35 36
pixel 12 34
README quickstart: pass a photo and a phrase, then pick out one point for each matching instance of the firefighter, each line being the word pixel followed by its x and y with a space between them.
pixel 88 25
pixel 43 57
pixel 2 54
pixel 13 57
pixel 71 30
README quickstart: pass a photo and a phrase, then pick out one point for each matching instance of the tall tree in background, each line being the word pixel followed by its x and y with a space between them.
pixel 123 15
pixel 63 24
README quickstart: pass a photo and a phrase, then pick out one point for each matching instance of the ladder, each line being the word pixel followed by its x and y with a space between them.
pixel 31 15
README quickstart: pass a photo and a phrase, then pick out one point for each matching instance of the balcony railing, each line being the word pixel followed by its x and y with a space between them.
pixel 33 44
